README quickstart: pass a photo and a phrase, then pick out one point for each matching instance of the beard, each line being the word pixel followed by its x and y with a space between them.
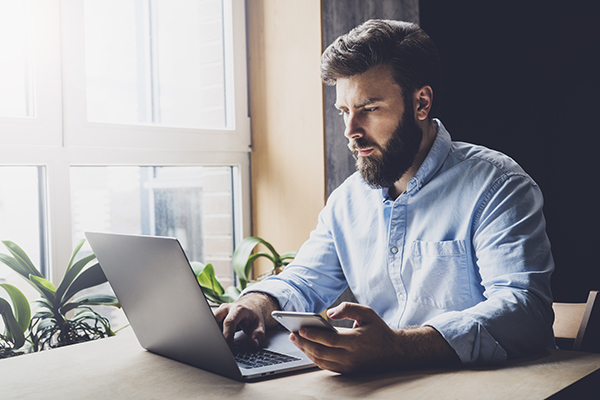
pixel 395 157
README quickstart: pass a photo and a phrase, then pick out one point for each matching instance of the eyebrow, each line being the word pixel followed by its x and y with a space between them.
pixel 362 103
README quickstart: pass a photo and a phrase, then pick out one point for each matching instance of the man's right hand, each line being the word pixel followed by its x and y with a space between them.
pixel 251 312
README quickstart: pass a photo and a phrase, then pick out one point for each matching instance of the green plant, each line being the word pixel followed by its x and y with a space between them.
pixel 212 288
pixel 16 321
pixel 243 261
pixel 50 326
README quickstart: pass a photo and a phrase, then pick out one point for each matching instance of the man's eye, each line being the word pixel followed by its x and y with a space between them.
pixel 370 109
pixel 343 112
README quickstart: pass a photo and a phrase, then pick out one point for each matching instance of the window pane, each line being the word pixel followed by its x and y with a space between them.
pixel 22 220
pixel 161 62
pixel 193 204
pixel 16 62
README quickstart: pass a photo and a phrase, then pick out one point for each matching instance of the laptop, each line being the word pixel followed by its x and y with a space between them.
pixel 158 291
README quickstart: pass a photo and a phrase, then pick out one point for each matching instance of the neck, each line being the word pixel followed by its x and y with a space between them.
pixel 429 134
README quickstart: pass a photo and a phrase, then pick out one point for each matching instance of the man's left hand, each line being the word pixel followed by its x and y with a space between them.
pixel 371 345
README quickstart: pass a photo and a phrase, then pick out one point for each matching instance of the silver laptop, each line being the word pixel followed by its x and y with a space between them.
pixel 152 278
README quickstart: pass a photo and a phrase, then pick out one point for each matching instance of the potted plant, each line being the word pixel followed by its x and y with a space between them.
pixel 16 321
pixel 243 261
pixel 50 326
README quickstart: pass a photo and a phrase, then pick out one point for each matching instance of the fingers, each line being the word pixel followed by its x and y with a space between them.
pixel 323 337
pixel 359 313
pixel 228 321
pixel 324 357
pixel 234 316
pixel 363 348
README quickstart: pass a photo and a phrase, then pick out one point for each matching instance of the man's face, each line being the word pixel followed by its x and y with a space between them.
pixel 382 131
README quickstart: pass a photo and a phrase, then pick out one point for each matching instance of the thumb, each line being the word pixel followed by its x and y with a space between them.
pixel 359 313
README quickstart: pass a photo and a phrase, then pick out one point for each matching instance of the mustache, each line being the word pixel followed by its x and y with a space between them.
pixel 361 143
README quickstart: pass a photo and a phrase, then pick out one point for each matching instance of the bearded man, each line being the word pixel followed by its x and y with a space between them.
pixel 442 243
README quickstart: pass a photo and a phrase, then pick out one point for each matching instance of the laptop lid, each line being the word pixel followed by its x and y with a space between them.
pixel 152 278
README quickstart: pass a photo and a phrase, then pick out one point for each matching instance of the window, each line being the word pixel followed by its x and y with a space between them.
pixel 194 204
pixel 22 216
pixel 126 116
pixel 16 44
pixel 161 62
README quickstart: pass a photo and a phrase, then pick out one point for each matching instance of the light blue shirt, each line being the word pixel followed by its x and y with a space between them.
pixel 463 249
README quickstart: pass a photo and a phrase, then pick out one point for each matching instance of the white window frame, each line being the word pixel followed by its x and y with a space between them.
pixel 59 137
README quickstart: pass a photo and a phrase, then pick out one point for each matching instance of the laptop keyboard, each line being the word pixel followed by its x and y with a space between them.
pixel 254 358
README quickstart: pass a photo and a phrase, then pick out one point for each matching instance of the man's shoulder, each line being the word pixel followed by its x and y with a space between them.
pixel 480 158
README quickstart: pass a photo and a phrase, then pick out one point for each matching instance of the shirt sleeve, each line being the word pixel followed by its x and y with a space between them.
pixel 314 280
pixel 512 253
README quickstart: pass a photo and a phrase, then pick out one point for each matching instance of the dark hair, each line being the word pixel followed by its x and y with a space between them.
pixel 403 45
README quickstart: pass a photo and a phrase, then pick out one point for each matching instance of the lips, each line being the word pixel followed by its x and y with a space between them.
pixel 361 147
pixel 364 151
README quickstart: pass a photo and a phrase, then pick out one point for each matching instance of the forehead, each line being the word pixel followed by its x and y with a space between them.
pixel 376 84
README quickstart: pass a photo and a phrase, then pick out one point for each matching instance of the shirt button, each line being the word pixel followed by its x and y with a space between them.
pixel 401 297
pixel 394 250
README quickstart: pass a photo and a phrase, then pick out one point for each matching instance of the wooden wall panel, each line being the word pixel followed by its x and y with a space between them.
pixel 286 107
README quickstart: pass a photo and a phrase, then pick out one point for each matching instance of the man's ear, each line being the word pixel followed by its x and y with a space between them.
pixel 423 100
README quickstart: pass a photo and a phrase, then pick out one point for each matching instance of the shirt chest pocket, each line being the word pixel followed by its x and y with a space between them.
pixel 440 277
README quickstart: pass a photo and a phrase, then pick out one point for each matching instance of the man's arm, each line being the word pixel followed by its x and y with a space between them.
pixel 372 345
pixel 251 312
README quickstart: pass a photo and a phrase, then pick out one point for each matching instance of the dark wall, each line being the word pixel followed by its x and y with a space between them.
pixel 339 17
pixel 523 77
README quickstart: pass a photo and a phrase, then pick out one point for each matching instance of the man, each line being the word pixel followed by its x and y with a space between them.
pixel 442 243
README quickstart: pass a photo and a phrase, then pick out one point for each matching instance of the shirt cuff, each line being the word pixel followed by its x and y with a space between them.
pixel 287 299
pixel 469 339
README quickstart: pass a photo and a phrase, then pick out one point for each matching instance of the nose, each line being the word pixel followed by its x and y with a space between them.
pixel 354 129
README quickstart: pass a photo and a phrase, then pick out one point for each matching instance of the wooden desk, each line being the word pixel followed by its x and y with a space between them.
pixel 118 368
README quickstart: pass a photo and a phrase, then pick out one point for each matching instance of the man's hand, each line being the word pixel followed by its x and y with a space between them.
pixel 251 312
pixel 371 345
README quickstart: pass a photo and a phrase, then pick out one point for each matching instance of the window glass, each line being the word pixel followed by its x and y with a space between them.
pixel 155 62
pixel 16 63
pixel 137 70
pixel 193 204
pixel 22 219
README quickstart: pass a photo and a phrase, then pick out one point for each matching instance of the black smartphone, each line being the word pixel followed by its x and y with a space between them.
pixel 293 321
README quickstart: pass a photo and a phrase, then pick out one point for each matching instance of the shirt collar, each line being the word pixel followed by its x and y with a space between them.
pixel 434 160
pixel 432 163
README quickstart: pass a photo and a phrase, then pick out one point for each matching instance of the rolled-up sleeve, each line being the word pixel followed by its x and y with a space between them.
pixel 512 253
pixel 313 280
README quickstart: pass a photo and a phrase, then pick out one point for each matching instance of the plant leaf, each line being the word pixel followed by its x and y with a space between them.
pixel 44 303
pixel 91 277
pixel 74 254
pixel 45 287
pixel 13 329
pixel 15 265
pixel 197 267
pixel 231 294
pixel 22 258
pixel 290 255
pixel 71 274
pixel 91 300
pixel 212 295
pixel 241 254
pixel 208 280
pixel 241 257
pixel 45 321
pixel 22 310
pixel 250 263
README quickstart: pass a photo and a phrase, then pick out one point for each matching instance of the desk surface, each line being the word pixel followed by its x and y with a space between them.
pixel 119 368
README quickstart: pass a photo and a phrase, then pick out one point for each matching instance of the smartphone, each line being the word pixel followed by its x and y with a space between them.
pixel 293 321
